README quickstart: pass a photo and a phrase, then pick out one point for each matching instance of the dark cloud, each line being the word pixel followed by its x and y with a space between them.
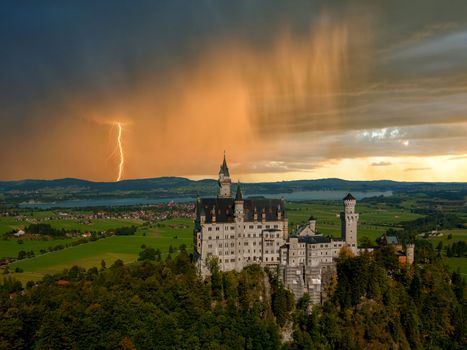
pixel 287 84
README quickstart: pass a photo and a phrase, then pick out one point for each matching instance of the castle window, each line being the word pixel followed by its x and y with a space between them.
pixel 217 228
pixel 232 236
pixel 276 226
pixel 268 226
pixel 217 237
pixel 227 244
pixel 259 226
pixel 232 228
pixel 251 226
pixel 209 245
pixel 209 228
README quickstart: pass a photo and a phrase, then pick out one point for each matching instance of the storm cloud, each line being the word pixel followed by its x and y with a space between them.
pixel 289 89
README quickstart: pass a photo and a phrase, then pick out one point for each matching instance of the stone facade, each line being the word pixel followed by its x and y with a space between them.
pixel 238 232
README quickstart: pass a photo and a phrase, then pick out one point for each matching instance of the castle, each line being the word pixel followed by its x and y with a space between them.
pixel 241 231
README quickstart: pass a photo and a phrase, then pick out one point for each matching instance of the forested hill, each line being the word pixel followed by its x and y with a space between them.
pixel 166 187
pixel 374 304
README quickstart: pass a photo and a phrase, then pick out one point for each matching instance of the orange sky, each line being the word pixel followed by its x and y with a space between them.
pixel 330 101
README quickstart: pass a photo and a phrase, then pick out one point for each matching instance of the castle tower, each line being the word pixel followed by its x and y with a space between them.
pixel 239 204
pixel 239 227
pixel 349 221
pixel 224 181
pixel 410 253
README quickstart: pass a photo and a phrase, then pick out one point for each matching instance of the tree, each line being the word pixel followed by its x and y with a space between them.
pixel 148 254
pixel 439 247
pixel 366 242
pixel 22 254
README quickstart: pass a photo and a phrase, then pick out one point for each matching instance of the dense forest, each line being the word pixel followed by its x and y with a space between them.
pixel 374 303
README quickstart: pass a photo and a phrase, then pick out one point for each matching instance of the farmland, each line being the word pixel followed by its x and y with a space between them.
pixel 126 248
pixel 375 219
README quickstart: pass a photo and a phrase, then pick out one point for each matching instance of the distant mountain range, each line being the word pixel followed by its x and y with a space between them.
pixel 165 187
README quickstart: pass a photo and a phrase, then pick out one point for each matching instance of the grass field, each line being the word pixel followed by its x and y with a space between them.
pixel 109 249
pixel 454 263
pixel 8 224
pixel 10 248
pixel 457 264
pixel 374 220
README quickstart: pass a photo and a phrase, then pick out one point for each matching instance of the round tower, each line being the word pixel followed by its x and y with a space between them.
pixel 410 253
pixel 349 221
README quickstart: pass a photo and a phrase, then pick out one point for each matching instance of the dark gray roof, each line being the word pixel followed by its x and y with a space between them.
pixel 224 169
pixel 349 197
pixel 388 240
pixel 225 209
pixel 239 195
pixel 313 239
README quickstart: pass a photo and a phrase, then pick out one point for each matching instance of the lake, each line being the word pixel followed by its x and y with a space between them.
pixel 107 202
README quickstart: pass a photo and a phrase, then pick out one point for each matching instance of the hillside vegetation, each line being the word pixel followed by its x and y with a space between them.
pixel 374 304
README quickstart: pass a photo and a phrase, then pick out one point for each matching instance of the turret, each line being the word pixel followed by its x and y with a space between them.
pixel 202 214
pixel 410 253
pixel 349 221
pixel 239 204
pixel 224 181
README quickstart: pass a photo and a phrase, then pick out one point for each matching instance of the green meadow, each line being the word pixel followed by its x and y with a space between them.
pixel 168 233
pixel 454 263
pixel 7 224
pixel 373 222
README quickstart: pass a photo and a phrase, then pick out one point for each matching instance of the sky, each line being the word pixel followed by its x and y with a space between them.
pixel 357 90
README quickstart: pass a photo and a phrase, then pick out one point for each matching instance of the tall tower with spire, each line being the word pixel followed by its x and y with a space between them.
pixel 224 181
pixel 349 221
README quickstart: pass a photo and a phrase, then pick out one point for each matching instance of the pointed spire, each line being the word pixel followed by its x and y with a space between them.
pixel 224 169
pixel 239 195
pixel 202 212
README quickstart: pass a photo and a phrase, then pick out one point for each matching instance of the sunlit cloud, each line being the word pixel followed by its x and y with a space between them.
pixel 381 163
pixel 310 91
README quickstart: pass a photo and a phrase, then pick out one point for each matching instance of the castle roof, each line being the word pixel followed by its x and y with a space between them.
pixel 314 239
pixel 239 195
pixel 224 169
pixel 224 209
pixel 349 197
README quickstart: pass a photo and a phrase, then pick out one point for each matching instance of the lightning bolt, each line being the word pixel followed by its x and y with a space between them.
pixel 120 149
